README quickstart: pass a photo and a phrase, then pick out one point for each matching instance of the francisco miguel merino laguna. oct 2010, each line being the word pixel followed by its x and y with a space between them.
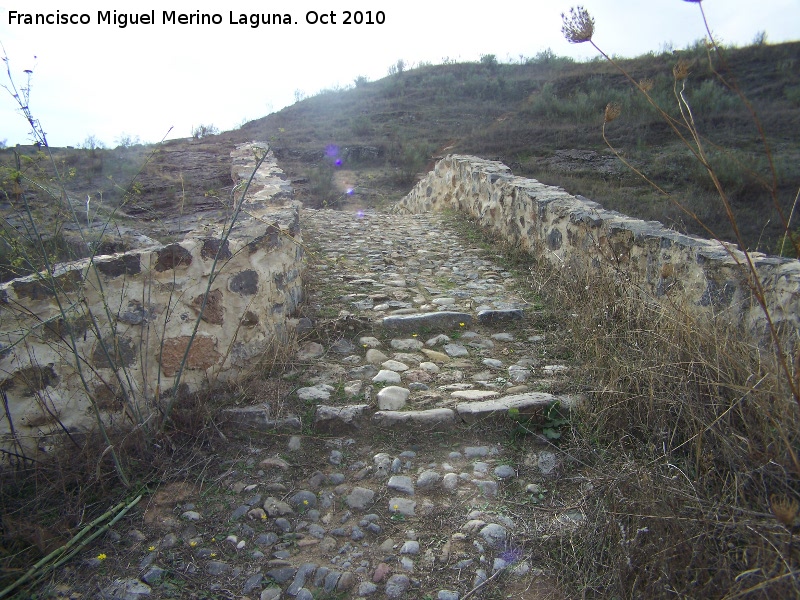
pixel 168 17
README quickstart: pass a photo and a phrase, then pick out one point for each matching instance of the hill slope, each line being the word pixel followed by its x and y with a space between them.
pixel 544 118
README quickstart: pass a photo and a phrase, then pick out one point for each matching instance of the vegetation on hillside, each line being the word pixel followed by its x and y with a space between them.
pixel 527 114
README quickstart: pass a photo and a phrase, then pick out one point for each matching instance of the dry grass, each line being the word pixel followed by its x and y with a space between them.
pixel 692 427
pixel 687 439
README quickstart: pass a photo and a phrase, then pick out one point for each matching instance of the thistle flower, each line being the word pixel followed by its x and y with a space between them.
pixel 613 110
pixel 681 69
pixel 785 509
pixel 578 26
pixel 646 84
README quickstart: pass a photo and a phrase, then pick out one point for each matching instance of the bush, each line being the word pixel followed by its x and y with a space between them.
pixel 127 141
pixel 489 61
pixel 202 131
pixel 92 143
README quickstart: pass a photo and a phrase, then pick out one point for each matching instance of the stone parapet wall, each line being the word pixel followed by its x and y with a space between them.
pixel 108 335
pixel 571 231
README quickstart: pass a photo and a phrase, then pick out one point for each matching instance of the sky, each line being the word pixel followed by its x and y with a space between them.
pixel 161 80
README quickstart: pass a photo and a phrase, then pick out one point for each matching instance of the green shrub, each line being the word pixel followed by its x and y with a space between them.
pixel 202 131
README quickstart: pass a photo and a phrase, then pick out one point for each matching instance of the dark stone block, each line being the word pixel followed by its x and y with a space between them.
pixel 62 329
pixel 31 379
pixel 269 241
pixel 250 319
pixel 213 311
pixel 121 351
pixel 245 283
pixel 716 295
pixel 437 320
pixel 282 279
pixel 129 264
pixel 212 247
pixel 173 256
pixel 136 314
pixel 495 316
pixel 554 239
pixel 43 288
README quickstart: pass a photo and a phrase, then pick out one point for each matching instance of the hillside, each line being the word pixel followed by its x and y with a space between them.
pixel 366 146
pixel 640 450
pixel 543 118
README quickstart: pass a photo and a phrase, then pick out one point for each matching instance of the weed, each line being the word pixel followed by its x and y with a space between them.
pixel 549 424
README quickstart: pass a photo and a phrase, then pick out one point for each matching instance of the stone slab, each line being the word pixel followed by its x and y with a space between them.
pixel 470 412
pixel 434 416
pixel 440 320
pixel 337 418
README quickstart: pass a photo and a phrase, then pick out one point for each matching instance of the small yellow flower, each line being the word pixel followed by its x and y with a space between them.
pixel 213 554
pixel 460 324
pixel 213 539
pixel 101 556
pixel 193 543
pixel 263 518
pixel 364 345
pixel 413 335
pixel 396 507
pixel 305 502
pixel 151 548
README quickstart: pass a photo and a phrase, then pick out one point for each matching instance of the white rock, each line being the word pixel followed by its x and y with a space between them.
pixel 406 344
pixel 394 365
pixel 316 392
pixel 444 301
pixel 437 340
pixel 386 376
pixel 455 350
pixel 546 462
pixel 474 394
pixel 392 398
pixel 369 342
pixel 310 351
pixel 375 357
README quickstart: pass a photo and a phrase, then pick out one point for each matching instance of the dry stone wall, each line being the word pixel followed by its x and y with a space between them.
pixel 111 333
pixel 572 231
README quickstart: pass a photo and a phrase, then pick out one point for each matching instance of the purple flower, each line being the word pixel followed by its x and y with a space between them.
pixel 511 555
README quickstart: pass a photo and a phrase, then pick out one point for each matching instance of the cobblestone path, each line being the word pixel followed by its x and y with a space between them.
pixel 414 465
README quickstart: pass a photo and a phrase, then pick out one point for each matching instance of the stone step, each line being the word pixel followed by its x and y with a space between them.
pixel 339 419
pixel 433 416
pixel 529 404
pixel 489 317
pixel 444 320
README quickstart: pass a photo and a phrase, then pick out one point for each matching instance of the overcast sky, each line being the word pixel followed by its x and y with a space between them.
pixel 143 80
